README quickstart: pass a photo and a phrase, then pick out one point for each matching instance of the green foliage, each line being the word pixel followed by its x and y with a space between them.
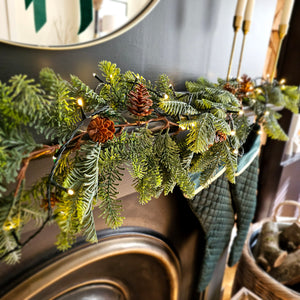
pixel 92 101
pixel 291 98
pixel 10 225
pixel 175 108
pixel 201 132
pixel 171 166
pixel 287 96
pixel 145 166
pixel 272 128
pixel 8 243
pixel 199 85
pixel 83 179
pixel 115 91
pixel 110 174
pixel 198 131
pixel 21 102
pixel 64 112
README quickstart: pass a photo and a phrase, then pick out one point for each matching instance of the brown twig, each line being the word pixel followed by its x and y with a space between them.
pixel 45 151
pixel 139 123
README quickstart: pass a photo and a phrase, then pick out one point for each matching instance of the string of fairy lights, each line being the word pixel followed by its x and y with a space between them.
pixel 242 19
pixel 57 156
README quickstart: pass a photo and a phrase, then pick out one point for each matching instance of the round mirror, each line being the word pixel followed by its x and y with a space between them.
pixel 68 24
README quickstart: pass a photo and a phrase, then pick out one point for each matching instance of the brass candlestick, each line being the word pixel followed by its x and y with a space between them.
pixel 282 33
pixel 237 23
pixel 246 28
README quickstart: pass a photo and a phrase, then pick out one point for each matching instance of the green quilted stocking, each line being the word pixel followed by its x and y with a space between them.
pixel 213 209
pixel 244 202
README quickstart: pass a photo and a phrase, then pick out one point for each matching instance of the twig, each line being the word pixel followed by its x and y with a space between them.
pixel 46 150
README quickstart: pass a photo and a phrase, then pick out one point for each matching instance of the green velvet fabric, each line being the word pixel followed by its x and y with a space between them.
pixel 222 204
pixel 243 195
pixel 214 211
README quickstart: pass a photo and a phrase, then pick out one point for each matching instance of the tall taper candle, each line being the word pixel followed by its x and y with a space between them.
pixel 246 27
pixel 238 15
pixel 240 7
pixel 249 10
pixel 237 24
pixel 286 12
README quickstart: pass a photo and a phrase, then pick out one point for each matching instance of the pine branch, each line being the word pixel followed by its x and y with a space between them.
pixel 229 159
pixel 92 101
pixel 7 244
pixel 64 112
pixel 201 134
pixel 145 166
pixel 198 85
pixel 110 174
pixel 272 128
pixel 66 218
pixel 291 98
pixel 171 165
pixel 22 102
pixel 175 108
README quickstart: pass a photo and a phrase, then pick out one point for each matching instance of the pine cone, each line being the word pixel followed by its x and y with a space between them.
pixel 53 201
pixel 245 85
pixel 139 101
pixel 101 129
pixel 220 137
pixel 230 88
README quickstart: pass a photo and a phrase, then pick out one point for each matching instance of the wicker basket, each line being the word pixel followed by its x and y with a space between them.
pixel 251 276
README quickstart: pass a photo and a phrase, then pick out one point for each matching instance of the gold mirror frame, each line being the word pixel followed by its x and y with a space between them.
pixel 94 42
pixel 40 285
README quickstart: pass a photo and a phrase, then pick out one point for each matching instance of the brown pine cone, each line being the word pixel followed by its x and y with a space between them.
pixel 139 101
pixel 101 130
pixel 245 85
pixel 220 137
pixel 230 88
pixel 53 201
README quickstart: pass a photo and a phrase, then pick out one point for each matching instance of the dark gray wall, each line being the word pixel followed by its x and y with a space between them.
pixel 184 39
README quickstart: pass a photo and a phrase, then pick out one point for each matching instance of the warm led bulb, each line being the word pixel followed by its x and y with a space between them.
pixel 266 113
pixel 182 127
pixel 241 112
pixel 259 91
pixel 71 192
pixel 259 132
pixel 80 101
pixel 282 81
pixel 236 151
pixel 166 96
pixel 232 132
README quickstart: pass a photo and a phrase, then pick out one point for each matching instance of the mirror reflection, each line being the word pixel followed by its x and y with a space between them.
pixel 66 22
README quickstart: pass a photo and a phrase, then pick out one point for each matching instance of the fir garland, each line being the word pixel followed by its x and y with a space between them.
pixel 161 136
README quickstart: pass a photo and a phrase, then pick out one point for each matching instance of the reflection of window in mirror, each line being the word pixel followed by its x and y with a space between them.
pixel 63 20
pixel 60 28
pixel 111 15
